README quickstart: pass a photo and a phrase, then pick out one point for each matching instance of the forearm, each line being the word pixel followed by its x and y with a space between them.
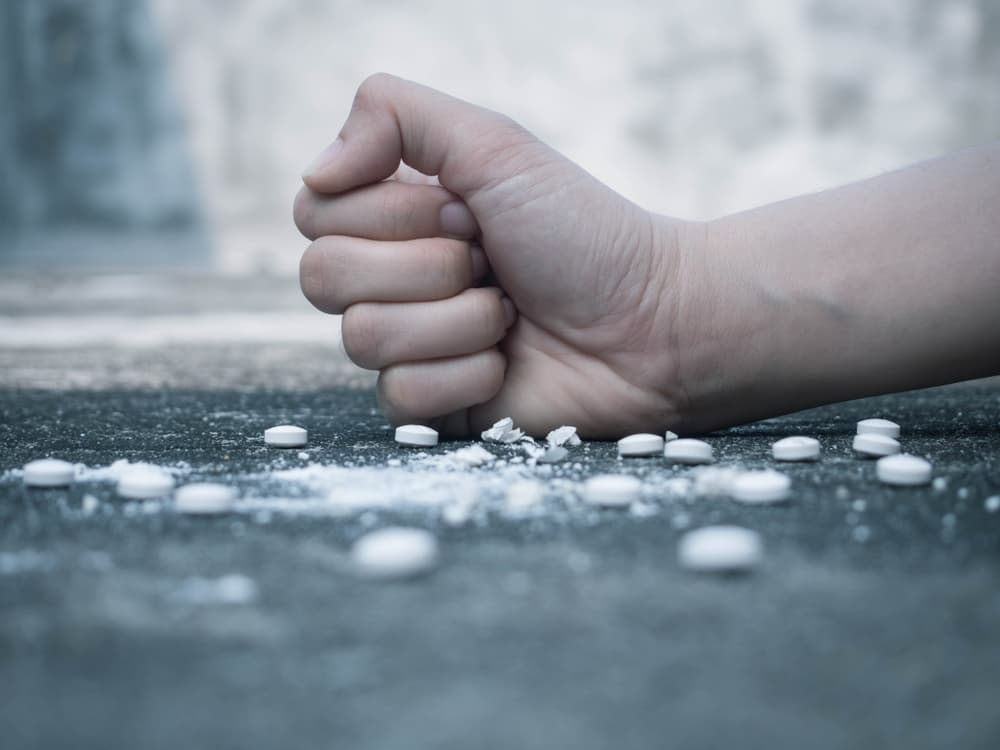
pixel 884 285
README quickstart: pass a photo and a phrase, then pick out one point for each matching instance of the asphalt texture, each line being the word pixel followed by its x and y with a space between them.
pixel 872 624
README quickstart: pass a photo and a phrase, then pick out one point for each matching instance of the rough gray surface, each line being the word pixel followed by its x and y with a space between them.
pixel 567 630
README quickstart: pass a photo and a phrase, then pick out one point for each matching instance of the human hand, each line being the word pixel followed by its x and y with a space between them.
pixel 595 280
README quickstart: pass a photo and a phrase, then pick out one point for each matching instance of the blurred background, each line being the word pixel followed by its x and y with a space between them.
pixel 150 149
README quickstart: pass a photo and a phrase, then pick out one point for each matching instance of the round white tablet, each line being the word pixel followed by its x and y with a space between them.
pixel 395 552
pixel 612 490
pixel 720 549
pixel 204 498
pixel 641 444
pixel 796 448
pixel 286 436
pixel 416 435
pixel 688 451
pixel 767 486
pixel 878 427
pixel 904 470
pixel 145 483
pixel 873 445
pixel 48 472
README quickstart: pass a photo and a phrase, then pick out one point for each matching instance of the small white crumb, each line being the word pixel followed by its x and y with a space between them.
pixel 859 505
pixel 992 503
pixel 523 496
pixel 861 534
pixel 233 589
pixel 303 455
pixel 565 435
pixel 456 514
pixel 668 436
pixel 472 455
pixel 554 454
pixel 719 549
pixel 963 493
pixel 89 505
pixel 842 493
pixel 940 483
pixel 395 552
pixel 394 462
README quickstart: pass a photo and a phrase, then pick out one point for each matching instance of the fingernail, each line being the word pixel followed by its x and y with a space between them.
pixel 480 265
pixel 325 158
pixel 457 220
pixel 509 311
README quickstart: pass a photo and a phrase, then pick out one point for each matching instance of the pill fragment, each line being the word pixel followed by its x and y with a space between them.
pixel 903 470
pixel 502 431
pixel 565 435
pixel 145 483
pixel 552 455
pixel 992 503
pixel 612 490
pixel 286 436
pixel 48 472
pixel 416 435
pixel 204 498
pixel 395 552
pixel 797 448
pixel 767 486
pixel 878 427
pixel 640 444
pixel 874 445
pixel 720 549
pixel 668 436
pixel 688 451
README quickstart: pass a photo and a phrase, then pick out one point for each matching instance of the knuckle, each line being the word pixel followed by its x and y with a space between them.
pixel 361 336
pixel 486 310
pixel 372 88
pixel 303 212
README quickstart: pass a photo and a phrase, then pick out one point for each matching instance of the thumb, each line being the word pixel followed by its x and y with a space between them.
pixel 395 120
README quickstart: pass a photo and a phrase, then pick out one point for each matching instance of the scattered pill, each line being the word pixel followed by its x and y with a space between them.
pixel 48 472
pixel 553 455
pixel 565 435
pixel 878 427
pixel 640 444
pixel 502 431
pixel 416 435
pixel 395 552
pixel 904 470
pixel 204 498
pixel 720 549
pixel 874 445
pixel 286 436
pixel 992 503
pixel 767 486
pixel 145 483
pixel 796 448
pixel 612 490
pixel 688 451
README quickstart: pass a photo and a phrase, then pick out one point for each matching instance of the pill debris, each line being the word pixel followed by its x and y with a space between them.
pixel 471 455
pixel 688 451
pixel 640 444
pixel 767 486
pixel 502 431
pixel 903 470
pixel 874 445
pixel 668 436
pixel 145 483
pixel 395 552
pixel 878 427
pixel 286 436
pixel 797 448
pixel 553 454
pixel 523 496
pixel 416 435
pixel 992 503
pixel 612 490
pixel 204 498
pixel 565 435
pixel 720 549
pixel 48 472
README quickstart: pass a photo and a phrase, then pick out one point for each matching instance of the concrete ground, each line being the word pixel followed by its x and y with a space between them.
pixel 870 624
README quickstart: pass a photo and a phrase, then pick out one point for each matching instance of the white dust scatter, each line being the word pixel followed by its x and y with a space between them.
pixel 992 503
pixel 25 561
pixel 232 589
pixel 112 472
pixel 714 480
pixel 523 497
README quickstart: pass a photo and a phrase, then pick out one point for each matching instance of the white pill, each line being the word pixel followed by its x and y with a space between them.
pixel 416 435
pixel 612 490
pixel 874 444
pixel 145 483
pixel 720 549
pixel 286 436
pixel 767 486
pixel 688 451
pixel 204 498
pixel 395 552
pixel 904 470
pixel 48 472
pixel 641 444
pixel 796 449
pixel 878 427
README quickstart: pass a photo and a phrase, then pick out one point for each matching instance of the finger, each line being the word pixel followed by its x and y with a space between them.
pixel 393 119
pixel 337 272
pixel 422 391
pixel 376 335
pixel 389 210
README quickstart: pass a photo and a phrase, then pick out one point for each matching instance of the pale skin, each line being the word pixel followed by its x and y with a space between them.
pixel 492 277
